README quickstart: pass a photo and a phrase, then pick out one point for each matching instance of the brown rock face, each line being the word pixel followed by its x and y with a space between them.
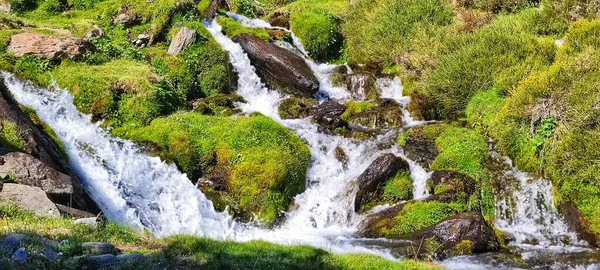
pixel 469 226
pixel 278 67
pixel 182 39
pixel 280 19
pixel 47 47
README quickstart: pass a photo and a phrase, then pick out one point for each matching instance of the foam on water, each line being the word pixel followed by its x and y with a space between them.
pixel 129 186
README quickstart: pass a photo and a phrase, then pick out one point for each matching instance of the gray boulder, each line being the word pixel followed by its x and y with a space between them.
pixel 98 248
pixel 33 199
pixel 182 39
pixel 32 172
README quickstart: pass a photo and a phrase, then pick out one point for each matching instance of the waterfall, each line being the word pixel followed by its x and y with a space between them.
pixel 130 187
pixel 527 211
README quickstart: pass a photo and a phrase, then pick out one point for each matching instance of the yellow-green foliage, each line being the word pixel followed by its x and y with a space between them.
pixel 416 216
pixel 495 56
pixel 186 252
pixel 318 24
pixel 10 137
pixel 378 31
pixel 464 247
pixel 268 162
pixel 398 188
pixel 120 90
pixel 232 28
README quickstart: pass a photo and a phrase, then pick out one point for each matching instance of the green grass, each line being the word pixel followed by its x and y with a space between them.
pixel 183 252
pixel 462 150
pixel 398 188
pixel 266 163
pixel 318 24
pixel 232 28
pixel 378 31
pixel 10 137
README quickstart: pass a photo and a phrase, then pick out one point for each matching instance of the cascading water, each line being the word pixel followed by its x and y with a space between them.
pixel 129 186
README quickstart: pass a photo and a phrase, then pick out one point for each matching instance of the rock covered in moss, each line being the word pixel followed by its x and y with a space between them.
pixel 280 18
pixel 294 108
pixel 461 234
pixel 46 46
pixel 329 107
pixel 220 104
pixel 446 184
pixel 579 223
pixel 126 18
pixel 361 86
pixel 278 67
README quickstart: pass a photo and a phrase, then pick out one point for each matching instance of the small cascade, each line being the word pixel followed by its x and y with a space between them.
pixel 527 211
pixel 130 187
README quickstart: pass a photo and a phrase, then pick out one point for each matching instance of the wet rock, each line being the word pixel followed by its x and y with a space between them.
pixel 446 184
pixel 578 223
pixel 20 256
pixel 278 67
pixel 30 171
pixel 46 46
pixel 98 248
pixel 106 261
pixel 341 156
pixel 91 222
pixel 361 86
pixel 126 18
pixel 457 229
pixel 374 178
pixel 29 198
pixel 294 108
pixel 387 114
pixel 182 39
pixel 280 18
pixel 380 170
pixel 371 225
pixel 11 242
pixel 330 121
pixel 220 104
pixel 328 107
pixel 421 147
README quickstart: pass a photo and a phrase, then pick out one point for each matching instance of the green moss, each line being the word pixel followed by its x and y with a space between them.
pixel 581 35
pixel 354 108
pixel 318 24
pixel 416 216
pixel 295 107
pixel 120 91
pixel 33 68
pixel 45 128
pixel 462 150
pixel 464 247
pixel 10 137
pixel 398 188
pixel 268 162
pixel 232 28
pixel 402 139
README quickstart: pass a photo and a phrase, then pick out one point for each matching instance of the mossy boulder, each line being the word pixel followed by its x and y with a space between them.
pixel 220 104
pixel 461 234
pixel 447 185
pixel 294 107
pixel 251 164
pixel 386 114
pixel 384 176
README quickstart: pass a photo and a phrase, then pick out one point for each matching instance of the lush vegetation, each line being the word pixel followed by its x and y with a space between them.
pixel 185 252
pixel 256 163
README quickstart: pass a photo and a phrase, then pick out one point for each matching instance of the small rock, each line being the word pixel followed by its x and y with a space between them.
pixel 330 107
pixel 106 261
pixel 126 18
pixel 98 247
pixel 95 32
pixel 11 242
pixel 182 39
pixel 330 121
pixel 129 257
pixel 5 7
pixel 361 86
pixel 20 256
pixel 92 222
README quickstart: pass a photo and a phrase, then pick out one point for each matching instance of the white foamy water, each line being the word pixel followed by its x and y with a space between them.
pixel 130 187
pixel 528 213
